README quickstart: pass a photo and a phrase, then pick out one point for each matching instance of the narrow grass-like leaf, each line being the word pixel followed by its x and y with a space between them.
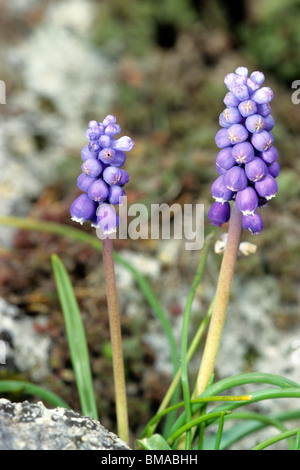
pixel 76 339
pixel 184 337
pixel 220 432
pixel 272 440
pixel 27 388
pixel 155 442
pixel 284 388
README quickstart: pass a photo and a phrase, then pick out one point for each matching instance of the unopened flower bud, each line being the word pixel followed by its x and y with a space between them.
pixel 256 169
pixel 219 213
pixel 253 223
pixel 247 200
pixel 235 179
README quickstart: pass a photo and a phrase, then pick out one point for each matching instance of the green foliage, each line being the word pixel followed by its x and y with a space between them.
pixel 76 339
pixel 132 26
pixel 18 387
pixel 272 38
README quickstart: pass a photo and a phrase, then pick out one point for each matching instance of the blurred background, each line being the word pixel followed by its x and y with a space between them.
pixel 158 65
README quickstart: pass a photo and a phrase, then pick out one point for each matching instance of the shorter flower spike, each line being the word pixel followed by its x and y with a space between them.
pixel 102 178
pixel 247 160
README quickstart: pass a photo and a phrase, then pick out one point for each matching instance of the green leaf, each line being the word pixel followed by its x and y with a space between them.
pixel 155 442
pixel 26 388
pixel 76 339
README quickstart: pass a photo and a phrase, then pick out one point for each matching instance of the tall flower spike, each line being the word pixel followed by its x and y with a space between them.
pixel 103 158
pixel 247 162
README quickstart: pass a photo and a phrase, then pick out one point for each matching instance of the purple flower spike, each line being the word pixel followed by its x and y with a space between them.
pixel 220 192
pixel 236 179
pixel 267 187
pixel 247 200
pixel 82 209
pixel 107 219
pixel 243 152
pixel 256 169
pixel 91 168
pixel 101 179
pixel 253 223
pixel 219 213
pixel 247 162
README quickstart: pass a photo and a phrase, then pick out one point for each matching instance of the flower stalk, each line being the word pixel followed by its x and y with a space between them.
pixel 221 302
pixel 116 339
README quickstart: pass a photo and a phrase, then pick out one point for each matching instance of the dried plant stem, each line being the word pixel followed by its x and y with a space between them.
pixel 221 301
pixel 116 339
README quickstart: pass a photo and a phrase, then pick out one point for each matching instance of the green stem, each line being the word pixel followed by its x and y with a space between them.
pixel 184 339
pixel 116 339
pixel 221 302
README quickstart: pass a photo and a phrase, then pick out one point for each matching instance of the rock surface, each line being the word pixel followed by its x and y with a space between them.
pixel 28 426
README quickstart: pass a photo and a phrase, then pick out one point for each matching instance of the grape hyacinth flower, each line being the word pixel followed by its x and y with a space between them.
pixel 247 167
pixel 247 160
pixel 102 179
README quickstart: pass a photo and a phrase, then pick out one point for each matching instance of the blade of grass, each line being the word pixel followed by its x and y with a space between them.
pixel 150 428
pixel 184 337
pixel 284 385
pixel 76 339
pixel 274 439
pixel 26 388
pixel 220 432
pixel 254 422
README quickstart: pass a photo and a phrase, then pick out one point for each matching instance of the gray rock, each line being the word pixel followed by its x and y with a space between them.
pixel 28 426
